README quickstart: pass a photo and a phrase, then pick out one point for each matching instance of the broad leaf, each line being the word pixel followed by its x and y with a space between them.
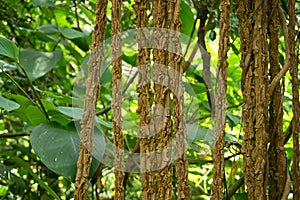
pixel 7 104
pixel 187 19
pixel 8 48
pixel 49 29
pixel 76 113
pixel 71 33
pixel 58 148
pixel 35 115
pixel 27 111
pixel 195 132
pixel 38 63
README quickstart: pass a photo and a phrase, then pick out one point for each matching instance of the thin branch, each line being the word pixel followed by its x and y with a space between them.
pixel 76 15
pixel 191 36
pixel 20 88
pixel 286 65
pixel 14 135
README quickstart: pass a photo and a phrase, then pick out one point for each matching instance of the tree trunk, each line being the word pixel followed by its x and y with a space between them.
pixel 145 97
pixel 117 100
pixel 220 105
pixel 277 158
pixel 92 91
pixel 253 20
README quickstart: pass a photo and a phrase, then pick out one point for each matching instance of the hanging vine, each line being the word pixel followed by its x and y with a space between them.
pixel 296 106
pixel 277 158
pixel 117 100
pixel 175 61
pixel 252 17
pixel 162 121
pixel 145 96
pixel 92 91
pixel 220 105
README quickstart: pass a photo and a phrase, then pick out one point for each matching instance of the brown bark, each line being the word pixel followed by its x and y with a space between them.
pixel 92 90
pixel 174 61
pixel 220 106
pixel 252 14
pixel 162 121
pixel 146 141
pixel 277 157
pixel 296 108
pixel 162 118
pixel 117 100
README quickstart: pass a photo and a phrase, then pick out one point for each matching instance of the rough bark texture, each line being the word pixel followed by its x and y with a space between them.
pixel 277 157
pixel 145 97
pixel 88 118
pixel 220 106
pixel 117 100
pixel 162 118
pixel 252 15
pixel 174 61
pixel 296 108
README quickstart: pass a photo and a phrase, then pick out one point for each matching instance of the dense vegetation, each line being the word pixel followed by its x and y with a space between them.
pixel 44 53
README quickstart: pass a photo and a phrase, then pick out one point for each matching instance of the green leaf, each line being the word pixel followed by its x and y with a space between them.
pixel 7 104
pixel 8 48
pixel 35 115
pixel 130 59
pixel 38 63
pixel 48 29
pixel 71 33
pixel 56 116
pixel 233 120
pixel 281 59
pixel 106 76
pixel 82 43
pixel 44 3
pixel 241 196
pixel 24 103
pixel 77 114
pixel 195 132
pixel 72 112
pixel 234 49
pixel 58 148
pixel 187 19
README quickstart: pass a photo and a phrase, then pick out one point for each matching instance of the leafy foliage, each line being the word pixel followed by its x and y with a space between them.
pixel 44 48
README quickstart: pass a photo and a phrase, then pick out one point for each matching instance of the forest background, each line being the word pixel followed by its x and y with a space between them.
pixel 238 80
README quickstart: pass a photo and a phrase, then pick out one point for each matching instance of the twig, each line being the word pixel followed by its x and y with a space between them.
pixel 232 190
pixel 285 67
pixel 17 84
pixel 76 14
pixel 14 135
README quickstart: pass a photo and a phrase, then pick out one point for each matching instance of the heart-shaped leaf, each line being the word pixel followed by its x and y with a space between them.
pixel 58 148
pixel 38 63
